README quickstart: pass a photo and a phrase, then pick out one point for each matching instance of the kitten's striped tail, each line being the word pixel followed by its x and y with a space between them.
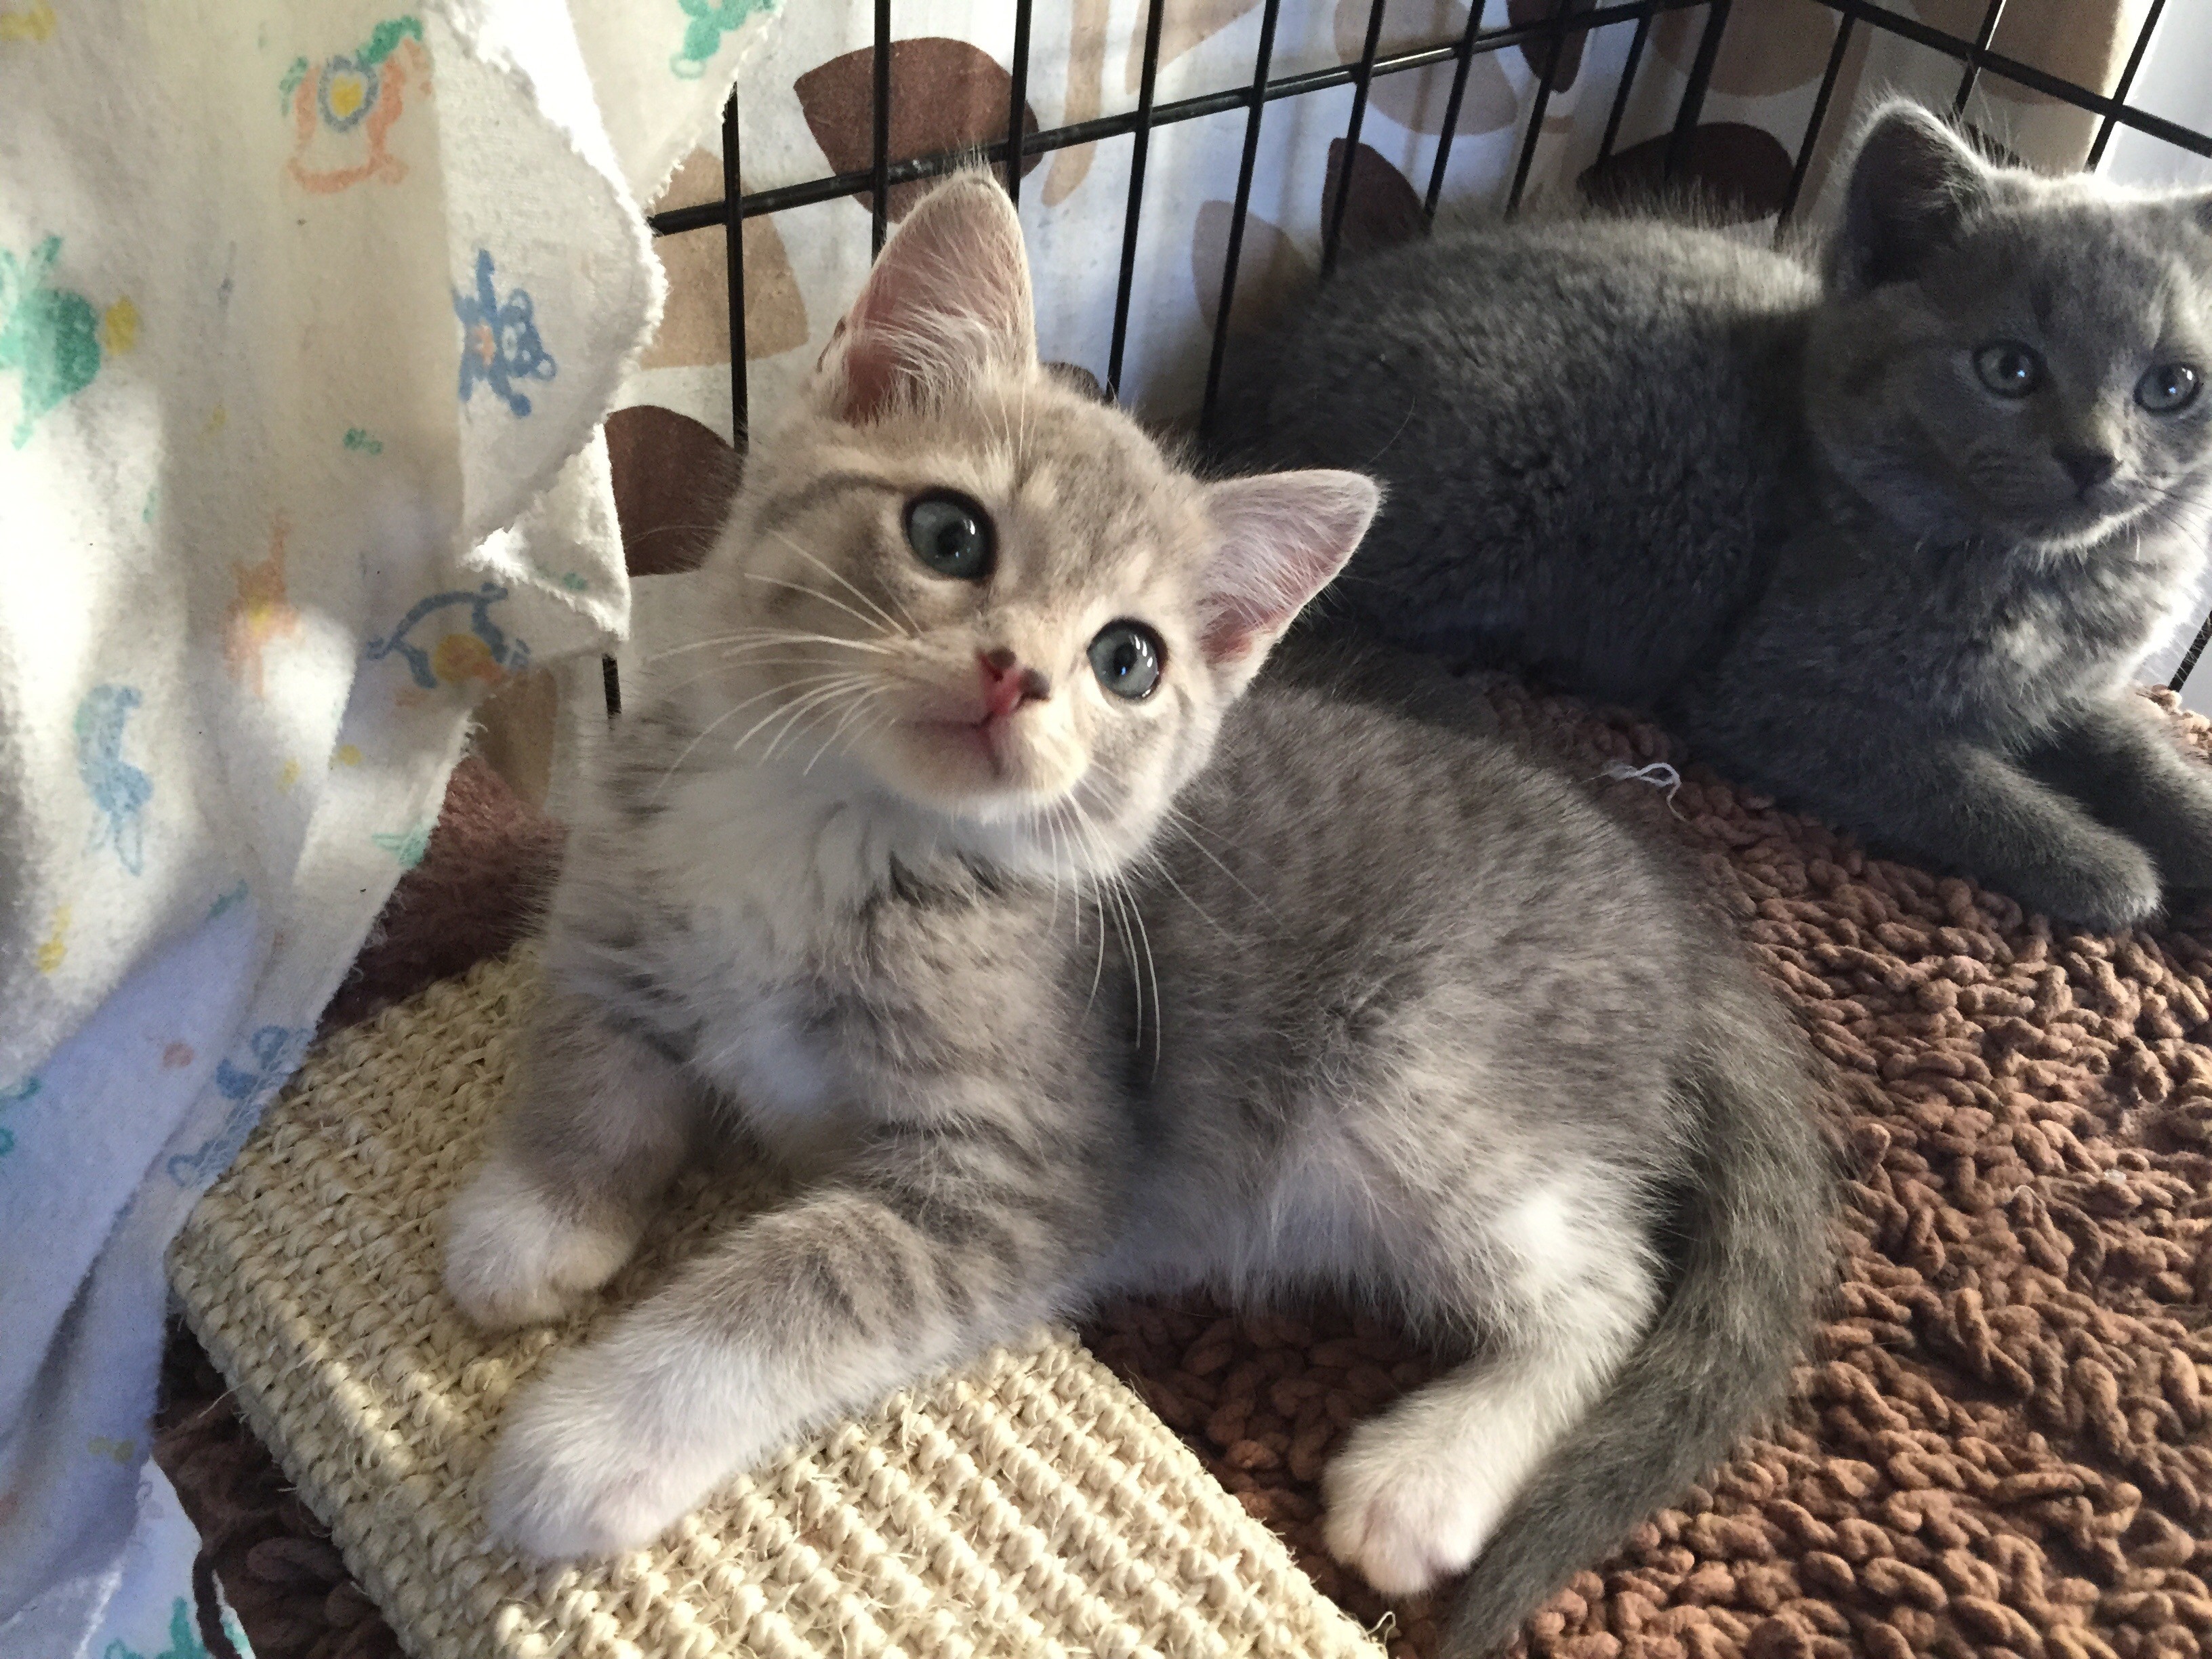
pixel 1757 1248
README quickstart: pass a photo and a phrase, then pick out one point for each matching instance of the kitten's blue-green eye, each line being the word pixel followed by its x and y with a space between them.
pixel 950 535
pixel 1126 656
pixel 2008 368
pixel 2168 389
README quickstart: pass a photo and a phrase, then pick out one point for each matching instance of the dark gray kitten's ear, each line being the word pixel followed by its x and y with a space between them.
pixel 1914 183
pixel 1079 380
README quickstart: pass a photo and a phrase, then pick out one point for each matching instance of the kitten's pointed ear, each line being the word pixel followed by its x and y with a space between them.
pixel 948 298
pixel 1914 182
pixel 1282 536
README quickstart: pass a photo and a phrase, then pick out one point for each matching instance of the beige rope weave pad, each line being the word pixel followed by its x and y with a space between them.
pixel 1030 1506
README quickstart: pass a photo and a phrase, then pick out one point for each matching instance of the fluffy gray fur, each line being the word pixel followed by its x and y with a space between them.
pixel 1257 989
pixel 1772 498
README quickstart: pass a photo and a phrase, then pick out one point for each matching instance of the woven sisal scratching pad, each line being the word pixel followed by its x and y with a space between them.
pixel 1031 1506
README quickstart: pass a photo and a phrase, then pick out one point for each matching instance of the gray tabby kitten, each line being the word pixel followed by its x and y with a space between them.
pixel 969 879
pixel 1892 539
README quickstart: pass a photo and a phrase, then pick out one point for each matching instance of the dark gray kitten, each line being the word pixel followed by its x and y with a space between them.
pixel 1891 539
pixel 963 868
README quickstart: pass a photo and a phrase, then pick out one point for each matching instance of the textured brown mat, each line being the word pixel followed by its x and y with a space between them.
pixel 2002 1447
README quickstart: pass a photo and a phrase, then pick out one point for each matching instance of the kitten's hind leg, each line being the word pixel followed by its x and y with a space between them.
pixel 2119 760
pixel 596 1132
pixel 1415 1493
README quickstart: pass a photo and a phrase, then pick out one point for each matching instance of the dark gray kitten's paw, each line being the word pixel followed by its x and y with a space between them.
pixel 2179 833
pixel 2106 885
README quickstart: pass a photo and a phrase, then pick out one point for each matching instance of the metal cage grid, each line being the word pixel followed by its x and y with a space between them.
pixel 1549 35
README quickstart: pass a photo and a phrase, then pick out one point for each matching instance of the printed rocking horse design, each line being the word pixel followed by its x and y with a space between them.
pixel 344 109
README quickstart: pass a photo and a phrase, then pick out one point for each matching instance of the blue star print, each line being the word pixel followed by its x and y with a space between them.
pixel 499 340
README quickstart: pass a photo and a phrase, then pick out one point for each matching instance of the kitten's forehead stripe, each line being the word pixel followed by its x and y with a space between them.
pixel 1091 500
pixel 779 511
pixel 2041 304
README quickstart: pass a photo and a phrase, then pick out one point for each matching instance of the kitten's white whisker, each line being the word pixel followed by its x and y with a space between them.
pixel 859 616
pixel 759 639
pixel 1115 888
pixel 663 688
pixel 797 711
pixel 1188 827
pixel 754 728
pixel 859 703
pixel 1049 818
pixel 1098 968
pixel 1133 917
pixel 1160 868
pixel 1175 817
pixel 734 708
pixel 664 529
pixel 846 582
pixel 1151 969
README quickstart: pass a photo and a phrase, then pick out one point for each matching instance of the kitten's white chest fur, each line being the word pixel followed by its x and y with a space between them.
pixel 769 866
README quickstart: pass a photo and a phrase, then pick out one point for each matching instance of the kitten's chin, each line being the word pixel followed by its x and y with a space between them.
pixel 2080 526
pixel 980 771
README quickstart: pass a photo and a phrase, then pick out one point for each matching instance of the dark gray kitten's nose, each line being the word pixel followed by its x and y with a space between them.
pixel 2087 467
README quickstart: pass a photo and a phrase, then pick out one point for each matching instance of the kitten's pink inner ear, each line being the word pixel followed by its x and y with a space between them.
pixel 949 296
pixel 1283 537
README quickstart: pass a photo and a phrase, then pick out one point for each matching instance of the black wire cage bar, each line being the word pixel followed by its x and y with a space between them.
pixel 1546 37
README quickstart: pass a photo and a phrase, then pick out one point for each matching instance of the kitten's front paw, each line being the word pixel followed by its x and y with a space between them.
pixel 1406 1512
pixel 2106 887
pixel 583 1467
pixel 512 1259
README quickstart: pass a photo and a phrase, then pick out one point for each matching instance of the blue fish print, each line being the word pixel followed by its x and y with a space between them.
pixel 119 790
pixel 501 651
pixel 275 1051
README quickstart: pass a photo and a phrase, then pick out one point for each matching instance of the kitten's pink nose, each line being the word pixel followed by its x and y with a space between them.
pixel 1006 684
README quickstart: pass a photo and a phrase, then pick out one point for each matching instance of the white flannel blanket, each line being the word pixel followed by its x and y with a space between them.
pixel 309 312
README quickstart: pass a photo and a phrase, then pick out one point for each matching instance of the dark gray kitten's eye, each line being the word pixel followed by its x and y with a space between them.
pixel 1125 657
pixel 950 534
pixel 2168 389
pixel 2008 368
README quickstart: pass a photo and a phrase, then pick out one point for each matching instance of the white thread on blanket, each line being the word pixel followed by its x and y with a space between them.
pixel 1658 775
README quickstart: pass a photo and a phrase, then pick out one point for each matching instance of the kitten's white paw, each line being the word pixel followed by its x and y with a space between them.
pixel 584 1468
pixel 512 1259
pixel 1406 1512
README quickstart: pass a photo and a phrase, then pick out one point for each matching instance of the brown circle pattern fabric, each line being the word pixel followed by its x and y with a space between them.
pixel 2000 1448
